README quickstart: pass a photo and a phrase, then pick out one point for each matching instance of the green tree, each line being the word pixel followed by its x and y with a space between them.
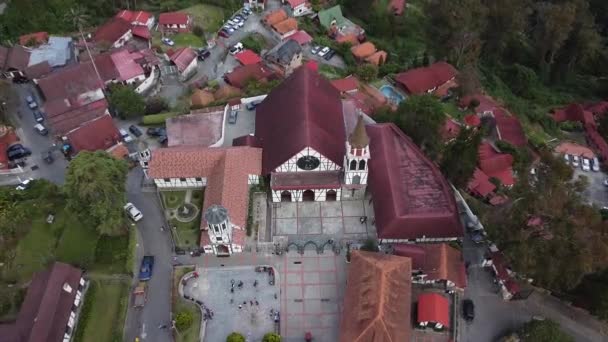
pixel 460 156
pixel 544 331
pixel 198 31
pixel 370 245
pixel 235 337
pixel 95 190
pixel 77 17
pixel 420 117
pixel 126 101
pixel 507 21
pixel 367 72
pixel 183 320
pixel 468 81
pixel 156 105
pixel 522 80
pixel 271 337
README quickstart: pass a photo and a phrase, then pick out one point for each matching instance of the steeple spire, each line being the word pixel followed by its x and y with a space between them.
pixel 358 138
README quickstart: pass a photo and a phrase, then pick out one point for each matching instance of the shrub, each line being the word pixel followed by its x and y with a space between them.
pixel 370 245
pixel 253 42
pixel 235 337
pixel 157 119
pixel 571 126
pixel 183 320
pixel 198 31
pixel 367 72
pixel 271 337
pixel 156 105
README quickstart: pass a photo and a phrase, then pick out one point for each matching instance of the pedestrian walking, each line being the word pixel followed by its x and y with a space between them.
pixel 257 303
pixel 255 283
pixel 240 306
pixel 251 302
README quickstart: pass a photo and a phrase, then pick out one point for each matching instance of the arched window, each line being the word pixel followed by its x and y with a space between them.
pixel 362 165
pixel 353 165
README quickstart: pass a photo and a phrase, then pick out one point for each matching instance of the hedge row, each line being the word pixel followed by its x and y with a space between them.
pixel 158 119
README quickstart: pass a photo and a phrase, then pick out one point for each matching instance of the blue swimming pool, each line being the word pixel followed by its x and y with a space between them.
pixel 391 94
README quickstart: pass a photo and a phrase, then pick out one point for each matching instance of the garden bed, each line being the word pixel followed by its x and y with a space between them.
pixel 179 305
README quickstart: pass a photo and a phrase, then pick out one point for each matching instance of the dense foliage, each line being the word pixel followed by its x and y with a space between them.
pixel 235 337
pixel 271 337
pixel 95 190
pixel 125 101
pixel 543 331
pixel 459 158
pixel 183 320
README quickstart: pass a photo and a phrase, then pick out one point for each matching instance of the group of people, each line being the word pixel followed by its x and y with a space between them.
pixel 208 315
pixel 251 303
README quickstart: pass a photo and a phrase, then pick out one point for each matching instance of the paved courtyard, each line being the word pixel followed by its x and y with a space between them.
pixel 312 287
pixel 213 288
pixel 322 220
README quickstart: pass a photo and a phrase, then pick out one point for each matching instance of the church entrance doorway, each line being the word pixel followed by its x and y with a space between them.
pixel 331 195
pixel 223 250
pixel 308 196
pixel 285 196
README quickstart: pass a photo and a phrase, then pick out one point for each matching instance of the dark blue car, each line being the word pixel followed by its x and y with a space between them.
pixel 147 264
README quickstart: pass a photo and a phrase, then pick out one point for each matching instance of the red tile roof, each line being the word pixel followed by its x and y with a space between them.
pixel 574 112
pixel 246 140
pixel 226 170
pixel 183 57
pixel 17 58
pixel 397 6
pixel 574 149
pixel 141 31
pixel 314 119
pixel 46 309
pixel 37 37
pixel 173 18
pixel 412 199
pixel 70 81
pixel 242 74
pixel 509 128
pixel 112 30
pixel 367 99
pixel 275 17
pixel 377 299
pixel 301 37
pixel 433 307
pixel 312 65
pixel 98 134
pixel 480 184
pixel 378 58
pixel 599 108
pixel 420 80
pixel 296 3
pixel 134 17
pixel 64 118
pixel 437 261
pixel 286 26
pixel 118 151
pixel 495 164
pixel 486 103
pixel 350 83
pixel 126 65
pixel 364 50
pixel 472 120
pixel 351 38
pixel 38 70
pixel 248 57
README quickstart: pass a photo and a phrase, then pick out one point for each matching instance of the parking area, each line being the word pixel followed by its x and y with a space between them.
pixel 246 309
pixel 245 124
pixel 322 220
pixel 312 287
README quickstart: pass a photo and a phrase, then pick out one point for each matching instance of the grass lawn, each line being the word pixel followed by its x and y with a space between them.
pixel 103 319
pixel 77 245
pixel 187 40
pixel 35 250
pixel 209 17
pixel 173 199
pixel 111 254
pixel 188 234
pixel 179 305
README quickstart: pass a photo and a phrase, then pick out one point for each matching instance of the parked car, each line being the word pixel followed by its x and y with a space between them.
pixel 468 310
pixel 239 24
pixel 586 164
pixel 14 147
pixel 133 212
pixel 19 153
pixel 203 53
pixel 229 29
pixel 29 99
pixel 246 12
pixel 595 165
pixel 240 17
pixel 605 182
pixel 238 47
pixel 575 161
pixel 330 55
pixel 33 104
pixel 231 22
pixel 145 271
pixel 232 117
pixel 223 33
pixel 41 129
pixel 167 41
pixel 323 51
pixel 135 130
pixel 125 135
pixel 315 49
pixel 162 139
pixel 38 116
pixel 25 184
pixel 156 131
pixel 567 158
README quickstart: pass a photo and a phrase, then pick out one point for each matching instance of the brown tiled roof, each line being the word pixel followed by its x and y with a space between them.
pixel 364 50
pixel 226 170
pixel 118 151
pixel 64 118
pixel 307 109
pixel 98 134
pixel 420 80
pixel 183 57
pixel 438 261
pixel 350 83
pixel 241 74
pixel 18 58
pixel 378 58
pixel 37 37
pixel 275 17
pixel 46 309
pixel 37 70
pixel 285 26
pixel 412 199
pixel 173 18
pixel 377 299
pixel 112 30
pixel 69 82
pixel 358 138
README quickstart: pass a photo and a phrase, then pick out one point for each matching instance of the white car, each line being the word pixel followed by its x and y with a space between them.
pixel 575 161
pixel 231 22
pixel 238 47
pixel 168 41
pixel 567 158
pixel 324 51
pixel 25 184
pixel 586 165
pixel 239 24
pixel 133 212
pixel 595 165
pixel 125 135
pixel 315 49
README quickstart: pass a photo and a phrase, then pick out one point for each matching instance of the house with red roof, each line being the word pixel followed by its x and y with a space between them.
pixel 509 128
pixel 450 129
pixel 301 37
pixel 598 108
pixel 472 120
pixel 51 306
pixel 174 22
pixel 509 285
pixel 34 39
pixel 7 138
pixel 185 60
pixel 480 185
pixel 435 263
pixel 426 79
pixel 367 99
pixel 97 134
pixel 242 74
pixel 247 57
pixel 13 61
pixel 115 32
pixel 298 7
pixel 285 28
pixel 495 164
pixel 137 18
pixel 412 200
pixel 433 310
pixel 574 112
pixel 226 174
